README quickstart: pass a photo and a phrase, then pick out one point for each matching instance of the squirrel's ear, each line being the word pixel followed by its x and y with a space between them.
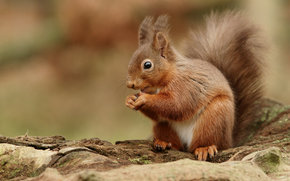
pixel 146 31
pixel 160 43
pixel 161 31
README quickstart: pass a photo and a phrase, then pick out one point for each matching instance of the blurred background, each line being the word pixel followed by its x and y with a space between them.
pixel 63 64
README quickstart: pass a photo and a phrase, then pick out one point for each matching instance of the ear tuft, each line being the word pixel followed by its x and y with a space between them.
pixel 161 24
pixel 146 30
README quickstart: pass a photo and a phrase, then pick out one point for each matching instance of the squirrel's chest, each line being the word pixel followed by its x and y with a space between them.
pixel 184 131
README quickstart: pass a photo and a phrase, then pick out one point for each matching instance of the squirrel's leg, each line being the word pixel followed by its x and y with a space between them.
pixel 213 129
pixel 165 137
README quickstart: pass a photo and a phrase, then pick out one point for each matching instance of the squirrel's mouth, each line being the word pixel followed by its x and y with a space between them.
pixel 150 90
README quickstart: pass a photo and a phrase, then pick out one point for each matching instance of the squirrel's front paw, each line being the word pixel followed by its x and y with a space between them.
pixel 159 145
pixel 202 152
pixel 135 101
pixel 130 100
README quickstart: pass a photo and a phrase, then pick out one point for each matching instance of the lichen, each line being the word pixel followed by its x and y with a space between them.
pixel 141 160
pixel 11 170
pixel 17 161
pixel 89 176
pixel 270 113
pixel 282 140
pixel 14 172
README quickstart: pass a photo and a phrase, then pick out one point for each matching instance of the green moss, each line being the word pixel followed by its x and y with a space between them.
pixel 11 166
pixel 3 162
pixel 141 160
pixel 282 140
pixel 115 161
pixel 35 173
pixel 10 171
pixel 267 114
pixel 89 176
pixel 269 160
pixel 272 112
pixel 15 172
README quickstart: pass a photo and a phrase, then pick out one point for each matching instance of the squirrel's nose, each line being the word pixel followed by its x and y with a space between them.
pixel 130 84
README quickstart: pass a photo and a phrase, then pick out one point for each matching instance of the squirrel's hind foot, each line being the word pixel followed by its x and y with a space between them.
pixel 202 152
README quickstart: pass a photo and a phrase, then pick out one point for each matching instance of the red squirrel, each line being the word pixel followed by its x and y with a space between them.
pixel 201 98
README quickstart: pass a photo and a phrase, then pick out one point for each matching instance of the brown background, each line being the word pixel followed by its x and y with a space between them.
pixel 63 63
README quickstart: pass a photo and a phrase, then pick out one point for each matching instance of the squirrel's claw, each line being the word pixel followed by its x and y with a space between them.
pixel 202 152
pixel 159 145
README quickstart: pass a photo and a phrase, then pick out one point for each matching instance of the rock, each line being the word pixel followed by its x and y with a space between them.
pixel 264 155
pixel 268 160
pixel 50 174
pixel 272 162
pixel 21 160
pixel 79 159
pixel 184 169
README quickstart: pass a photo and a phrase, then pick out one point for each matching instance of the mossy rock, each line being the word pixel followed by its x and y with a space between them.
pixel 264 155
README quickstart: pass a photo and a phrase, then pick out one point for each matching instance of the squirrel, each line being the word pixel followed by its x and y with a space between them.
pixel 201 98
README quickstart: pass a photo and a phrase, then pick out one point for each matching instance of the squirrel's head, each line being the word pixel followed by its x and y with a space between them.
pixel 151 64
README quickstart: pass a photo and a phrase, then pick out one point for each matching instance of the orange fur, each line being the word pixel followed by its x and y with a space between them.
pixel 234 45
pixel 215 125
pixel 163 131
pixel 201 101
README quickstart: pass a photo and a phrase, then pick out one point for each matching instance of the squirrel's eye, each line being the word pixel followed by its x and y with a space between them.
pixel 147 65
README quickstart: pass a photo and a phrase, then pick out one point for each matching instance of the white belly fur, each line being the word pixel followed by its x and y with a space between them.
pixel 184 130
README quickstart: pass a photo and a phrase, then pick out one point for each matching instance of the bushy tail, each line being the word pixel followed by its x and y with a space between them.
pixel 233 44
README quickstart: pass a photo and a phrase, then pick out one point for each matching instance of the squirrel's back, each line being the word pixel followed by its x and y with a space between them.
pixel 232 44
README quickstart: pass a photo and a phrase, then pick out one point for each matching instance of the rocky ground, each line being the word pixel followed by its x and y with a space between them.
pixel 264 155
